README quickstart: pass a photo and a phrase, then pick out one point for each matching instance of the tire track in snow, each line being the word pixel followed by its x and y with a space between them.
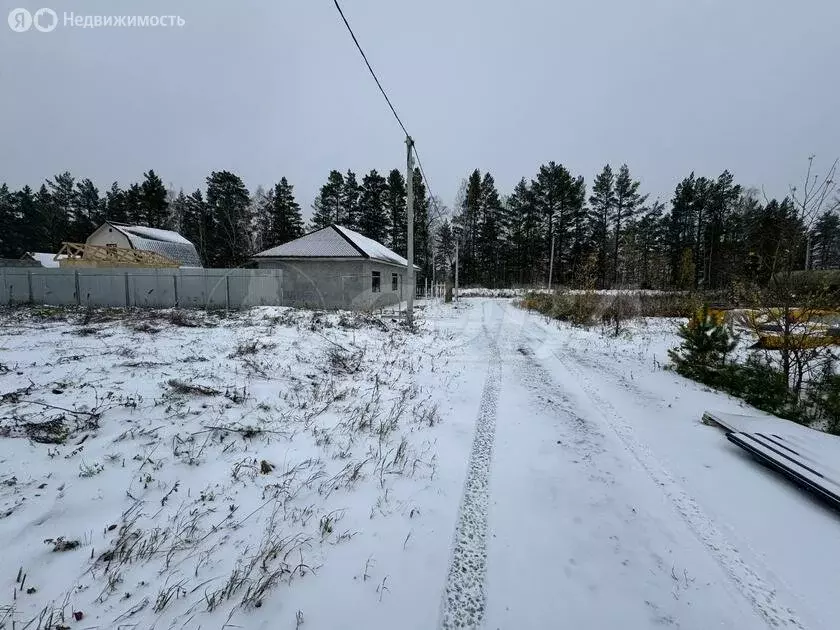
pixel 464 596
pixel 760 594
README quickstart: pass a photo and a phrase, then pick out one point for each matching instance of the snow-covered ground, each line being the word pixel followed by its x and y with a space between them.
pixel 279 469
pixel 265 470
pixel 472 292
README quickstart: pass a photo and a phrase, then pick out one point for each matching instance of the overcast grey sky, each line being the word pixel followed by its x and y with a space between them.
pixel 275 88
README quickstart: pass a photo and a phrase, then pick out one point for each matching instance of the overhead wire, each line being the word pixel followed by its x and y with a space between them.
pixel 387 100
pixel 370 68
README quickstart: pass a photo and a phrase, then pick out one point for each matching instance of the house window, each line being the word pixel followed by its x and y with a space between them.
pixel 375 282
pixel 395 282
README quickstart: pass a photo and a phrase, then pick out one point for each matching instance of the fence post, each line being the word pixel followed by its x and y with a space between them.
pixel 127 292
pixel 29 280
pixel 78 292
pixel 175 286
pixel 227 292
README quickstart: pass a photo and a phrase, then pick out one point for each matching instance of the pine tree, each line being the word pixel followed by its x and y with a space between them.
pixel 552 191
pixel 522 226
pixel 177 211
pixel 373 222
pixel 699 210
pixel 88 211
pixel 648 239
pixel 199 226
pixel 31 230
pixel 8 238
pixel 134 207
pixel 327 206
pixel 602 203
pixel 723 195
pixel 489 231
pixel 706 343
pixel 580 243
pixel 258 212
pixel 285 223
pixel 228 202
pixel 154 208
pixel 261 220
pixel 627 202
pixel 52 233
pixel 680 233
pixel 59 208
pixel 445 251
pixel 350 196
pixel 422 226
pixel 773 232
pixel 465 228
pixel 825 241
pixel 115 205
pixel 395 211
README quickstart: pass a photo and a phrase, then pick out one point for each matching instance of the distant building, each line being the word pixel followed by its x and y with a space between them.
pixel 18 262
pixel 44 259
pixel 166 243
pixel 335 267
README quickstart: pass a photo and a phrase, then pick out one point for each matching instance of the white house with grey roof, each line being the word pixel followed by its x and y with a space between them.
pixel 335 267
pixel 167 243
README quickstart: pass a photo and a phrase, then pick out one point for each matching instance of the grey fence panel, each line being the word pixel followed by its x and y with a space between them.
pixel 102 287
pixel 262 287
pixel 154 288
pixel 202 288
pixel 53 286
pixel 16 286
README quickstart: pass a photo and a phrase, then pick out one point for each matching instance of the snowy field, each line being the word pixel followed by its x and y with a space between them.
pixel 194 470
pixel 284 469
pixel 472 292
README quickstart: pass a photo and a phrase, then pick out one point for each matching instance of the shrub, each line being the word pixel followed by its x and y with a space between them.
pixel 620 308
pixel 540 302
pixel 666 304
pixel 579 309
pixel 706 342
pixel 584 308
pixel 764 387
pixel 824 396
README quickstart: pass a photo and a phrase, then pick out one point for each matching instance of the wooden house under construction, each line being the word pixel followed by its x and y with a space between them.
pixel 119 245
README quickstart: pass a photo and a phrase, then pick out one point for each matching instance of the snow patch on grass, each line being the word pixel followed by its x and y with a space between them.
pixel 200 462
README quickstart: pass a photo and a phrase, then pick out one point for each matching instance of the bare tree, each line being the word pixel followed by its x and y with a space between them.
pixel 790 313
pixel 815 197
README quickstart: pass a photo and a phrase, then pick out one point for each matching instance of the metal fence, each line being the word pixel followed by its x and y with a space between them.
pixel 158 288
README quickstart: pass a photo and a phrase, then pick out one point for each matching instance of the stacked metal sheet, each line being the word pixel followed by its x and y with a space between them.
pixel 811 458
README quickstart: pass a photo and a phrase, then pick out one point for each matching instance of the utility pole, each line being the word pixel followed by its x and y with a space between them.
pixel 434 266
pixel 409 211
pixel 456 271
pixel 551 263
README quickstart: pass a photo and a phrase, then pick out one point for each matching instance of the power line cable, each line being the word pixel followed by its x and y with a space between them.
pixel 372 73
pixel 426 180
pixel 388 100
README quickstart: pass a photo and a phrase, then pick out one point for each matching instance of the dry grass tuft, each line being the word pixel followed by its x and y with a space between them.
pixel 182 387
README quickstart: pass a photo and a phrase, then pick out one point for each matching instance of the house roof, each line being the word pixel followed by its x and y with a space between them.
pixel 164 242
pixel 45 259
pixel 155 234
pixel 334 241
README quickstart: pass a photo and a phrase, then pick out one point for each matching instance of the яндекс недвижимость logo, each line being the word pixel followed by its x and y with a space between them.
pixel 44 20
